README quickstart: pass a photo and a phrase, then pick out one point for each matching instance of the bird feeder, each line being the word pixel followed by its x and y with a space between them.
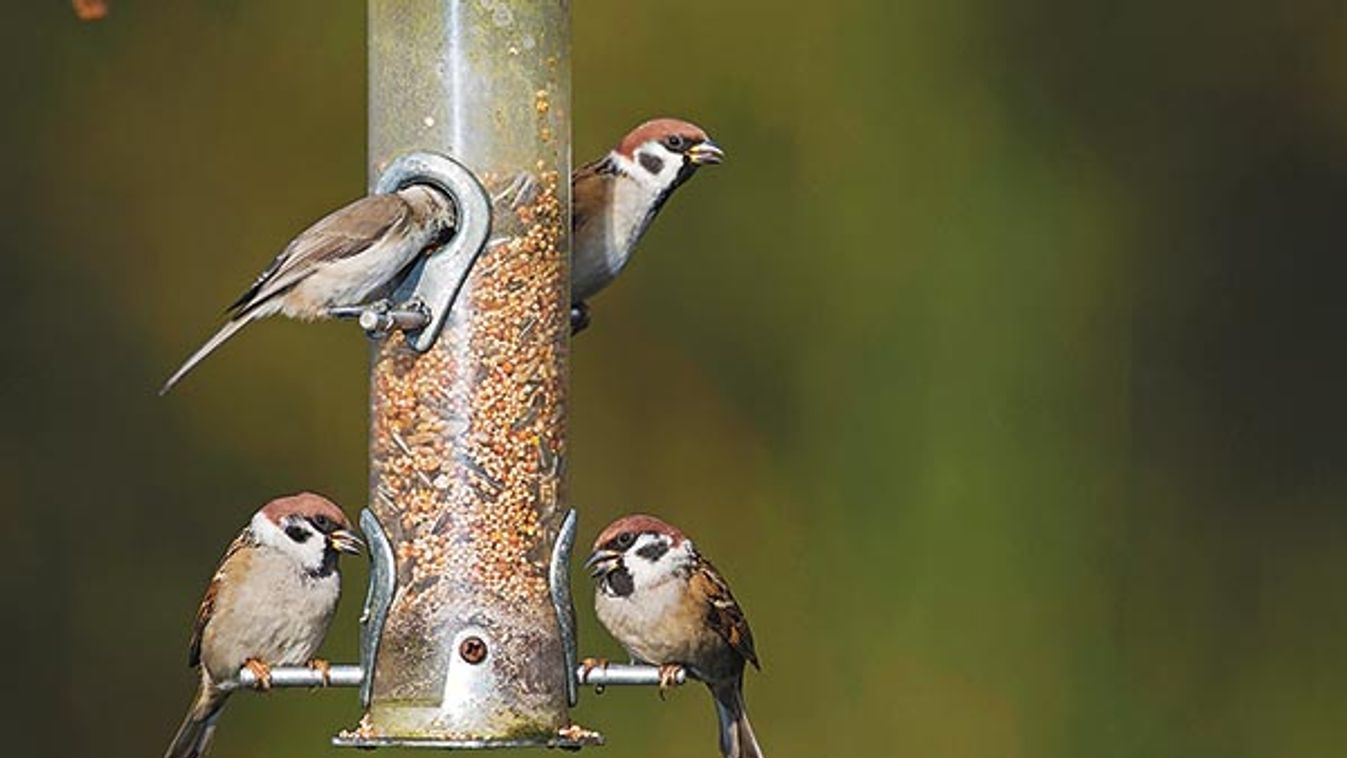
pixel 468 632
pixel 467 428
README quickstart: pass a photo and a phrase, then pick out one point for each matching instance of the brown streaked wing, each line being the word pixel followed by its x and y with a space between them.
pixel 604 165
pixel 591 185
pixel 341 234
pixel 207 608
pixel 723 612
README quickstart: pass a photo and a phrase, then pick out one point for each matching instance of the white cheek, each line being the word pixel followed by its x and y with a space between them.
pixel 647 574
pixel 309 553
pixel 312 553
pixel 657 182
pixel 644 574
pixel 267 533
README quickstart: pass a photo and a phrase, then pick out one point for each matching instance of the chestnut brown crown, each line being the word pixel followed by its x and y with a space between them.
pixel 638 523
pixel 676 134
pixel 317 509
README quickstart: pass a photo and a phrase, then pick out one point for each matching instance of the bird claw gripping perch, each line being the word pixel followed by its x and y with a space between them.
pixel 670 675
pixel 427 294
pixel 323 669
pixel 579 317
pixel 261 674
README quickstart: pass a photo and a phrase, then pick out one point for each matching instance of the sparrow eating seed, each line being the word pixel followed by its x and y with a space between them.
pixel 669 607
pixel 269 604
pixel 615 198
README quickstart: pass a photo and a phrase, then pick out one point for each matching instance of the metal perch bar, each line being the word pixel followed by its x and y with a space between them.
pixel 379 321
pixel 623 675
pixel 350 675
pixel 343 675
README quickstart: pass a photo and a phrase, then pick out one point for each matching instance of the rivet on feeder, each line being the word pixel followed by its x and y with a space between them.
pixel 473 650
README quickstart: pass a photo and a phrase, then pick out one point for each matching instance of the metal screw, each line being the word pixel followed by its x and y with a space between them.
pixel 371 321
pixel 473 650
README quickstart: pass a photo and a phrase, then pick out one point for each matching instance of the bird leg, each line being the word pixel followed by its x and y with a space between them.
pixel 668 677
pixel 579 317
pixel 588 665
pixel 324 670
pixel 260 670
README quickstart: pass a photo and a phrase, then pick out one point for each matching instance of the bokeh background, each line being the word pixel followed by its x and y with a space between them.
pixel 1000 368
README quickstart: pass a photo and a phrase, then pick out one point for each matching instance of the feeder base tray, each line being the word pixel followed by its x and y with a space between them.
pixel 574 742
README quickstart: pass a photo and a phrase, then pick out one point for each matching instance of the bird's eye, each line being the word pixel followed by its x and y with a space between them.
pixel 625 540
pixel 675 141
pixel 323 523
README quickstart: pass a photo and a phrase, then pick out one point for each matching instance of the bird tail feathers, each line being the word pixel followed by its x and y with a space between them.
pixel 736 734
pixel 198 727
pixel 219 337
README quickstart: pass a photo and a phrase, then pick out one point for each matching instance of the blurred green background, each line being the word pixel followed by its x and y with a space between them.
pixel 1000 368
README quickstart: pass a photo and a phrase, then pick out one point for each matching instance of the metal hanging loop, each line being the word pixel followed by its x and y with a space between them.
pixel 425 297
pixel 437 279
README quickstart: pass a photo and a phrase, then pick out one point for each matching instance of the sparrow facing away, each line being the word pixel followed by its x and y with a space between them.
pixel 347 258
pixel 616 197
pixel 668 606
pixel 269 604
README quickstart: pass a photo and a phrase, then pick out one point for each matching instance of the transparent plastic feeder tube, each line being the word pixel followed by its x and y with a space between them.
pixel 468 440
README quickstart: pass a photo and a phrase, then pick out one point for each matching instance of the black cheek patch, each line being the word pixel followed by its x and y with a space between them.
pixel 329 565
pixel 620 583
pixel 297 533
pixel 654 551
pixel 651 162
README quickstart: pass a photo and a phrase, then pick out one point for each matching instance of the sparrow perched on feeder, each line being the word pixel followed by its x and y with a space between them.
pixel 668 606
pixel 615 198
pixel 348 258
pixel 269 604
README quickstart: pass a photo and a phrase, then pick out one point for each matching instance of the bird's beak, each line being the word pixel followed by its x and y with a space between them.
pixel 345 541
pixel 601 562
pixel 706 152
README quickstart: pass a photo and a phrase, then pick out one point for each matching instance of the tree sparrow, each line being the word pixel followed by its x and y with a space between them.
pixel 615 198
pixel 347 258
pixel 669 606
pixel 355 253
pixel 269 604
